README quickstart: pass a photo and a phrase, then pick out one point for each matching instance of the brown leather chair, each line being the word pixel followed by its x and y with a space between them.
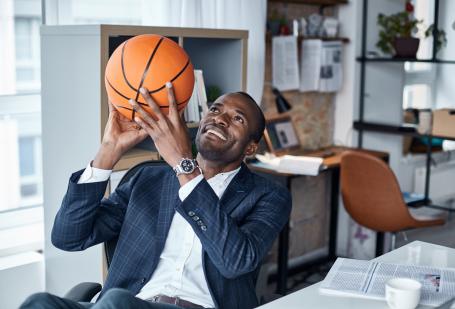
pixel 372 196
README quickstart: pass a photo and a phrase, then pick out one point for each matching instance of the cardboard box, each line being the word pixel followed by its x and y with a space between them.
pixel 444 122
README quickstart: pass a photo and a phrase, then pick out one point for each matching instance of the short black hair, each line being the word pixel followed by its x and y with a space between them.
pixel 256 135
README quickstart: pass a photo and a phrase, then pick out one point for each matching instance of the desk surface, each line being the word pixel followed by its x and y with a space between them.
pixel 416 253
pixel 331 157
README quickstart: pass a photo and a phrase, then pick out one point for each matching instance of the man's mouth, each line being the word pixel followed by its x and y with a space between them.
pixel 217 134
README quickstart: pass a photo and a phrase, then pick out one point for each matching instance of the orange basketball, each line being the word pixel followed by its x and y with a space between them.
pixel 148 61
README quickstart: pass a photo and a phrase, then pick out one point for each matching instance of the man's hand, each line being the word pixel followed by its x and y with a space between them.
pixel 120 134
pixel 169 133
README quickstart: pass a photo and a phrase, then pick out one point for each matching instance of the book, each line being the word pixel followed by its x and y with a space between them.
pixel 197 105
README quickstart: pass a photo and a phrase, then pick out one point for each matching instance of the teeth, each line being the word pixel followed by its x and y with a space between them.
pixel 217 134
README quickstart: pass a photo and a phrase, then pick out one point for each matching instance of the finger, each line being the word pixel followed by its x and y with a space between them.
pixel 141 134
pixel 155 108
pixel 173 112
pixel 144 115
pixel 182 114
pixel 144 126
pixel 111 106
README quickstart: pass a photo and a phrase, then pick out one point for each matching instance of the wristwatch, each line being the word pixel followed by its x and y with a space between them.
pixel 186 166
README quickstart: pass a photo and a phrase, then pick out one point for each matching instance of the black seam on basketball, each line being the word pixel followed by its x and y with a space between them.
pixel 149 62
pixel 141 103
pixel 174 78
pixel 130 109
pixel 122 95
pixel 123 67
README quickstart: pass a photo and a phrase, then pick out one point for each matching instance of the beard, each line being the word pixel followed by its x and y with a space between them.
pixel 223 155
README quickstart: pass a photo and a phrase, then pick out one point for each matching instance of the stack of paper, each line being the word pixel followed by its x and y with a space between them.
pixel 299 165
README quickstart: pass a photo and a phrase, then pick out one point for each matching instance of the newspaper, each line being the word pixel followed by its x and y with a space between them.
pixel 367 279
pixel 285 72
pixel 320 67
pixel 310 65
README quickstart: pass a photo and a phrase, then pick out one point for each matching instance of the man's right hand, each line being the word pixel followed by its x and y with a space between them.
pixel 120 135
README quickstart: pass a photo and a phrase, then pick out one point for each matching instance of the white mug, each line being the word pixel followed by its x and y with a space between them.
pixel 402 293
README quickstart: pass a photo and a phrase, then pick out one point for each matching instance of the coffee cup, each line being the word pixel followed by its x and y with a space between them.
pixel 402 293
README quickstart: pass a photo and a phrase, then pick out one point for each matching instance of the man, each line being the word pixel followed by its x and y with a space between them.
pixel 194 235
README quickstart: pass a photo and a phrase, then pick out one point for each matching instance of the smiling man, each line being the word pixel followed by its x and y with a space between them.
pixel 193 234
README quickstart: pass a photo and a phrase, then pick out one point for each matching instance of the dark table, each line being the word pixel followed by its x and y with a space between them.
pixel 331 163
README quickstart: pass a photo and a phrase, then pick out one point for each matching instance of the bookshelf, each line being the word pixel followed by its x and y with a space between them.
pixel 75 111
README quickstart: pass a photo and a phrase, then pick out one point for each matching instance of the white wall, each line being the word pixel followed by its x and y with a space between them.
pixel 383 103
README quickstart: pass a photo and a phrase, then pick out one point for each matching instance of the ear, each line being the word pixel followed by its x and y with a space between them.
pixel 251 149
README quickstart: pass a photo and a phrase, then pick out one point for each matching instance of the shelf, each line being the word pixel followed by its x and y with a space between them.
pixel 300 38
pixel 379 59
pixel 393 129
pixel 313 2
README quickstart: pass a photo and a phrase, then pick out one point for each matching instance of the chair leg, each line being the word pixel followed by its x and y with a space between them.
pixel 393 241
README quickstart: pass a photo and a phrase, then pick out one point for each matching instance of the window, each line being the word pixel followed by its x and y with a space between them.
pixel 20 105
pixel 26 33
pixel 420 77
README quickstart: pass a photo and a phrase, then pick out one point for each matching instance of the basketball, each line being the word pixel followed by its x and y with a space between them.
pixel 148 61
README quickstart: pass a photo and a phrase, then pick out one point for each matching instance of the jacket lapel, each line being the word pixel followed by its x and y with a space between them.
pixel 237 190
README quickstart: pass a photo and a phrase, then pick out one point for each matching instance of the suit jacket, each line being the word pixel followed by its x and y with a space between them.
pixel 237 230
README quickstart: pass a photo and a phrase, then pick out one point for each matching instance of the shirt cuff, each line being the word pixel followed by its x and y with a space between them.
pixel 187 188
pixel 93 174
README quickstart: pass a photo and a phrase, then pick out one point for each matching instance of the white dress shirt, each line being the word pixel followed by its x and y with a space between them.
pixel 179 272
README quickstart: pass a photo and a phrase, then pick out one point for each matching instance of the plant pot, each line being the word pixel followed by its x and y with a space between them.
pixel 406 47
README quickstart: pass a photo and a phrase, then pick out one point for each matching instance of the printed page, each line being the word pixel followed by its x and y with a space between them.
pixel 285 72
pixel 331 69
pixel 367 279
pixel 310 65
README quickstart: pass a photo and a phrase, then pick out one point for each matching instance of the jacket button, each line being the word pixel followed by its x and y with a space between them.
pixel 204 228
pixel 143 280
pixel 195 218
pixel 191 213
pixel 200 223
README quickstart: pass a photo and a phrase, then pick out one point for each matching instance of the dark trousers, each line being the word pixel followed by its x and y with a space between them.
pixel 114 298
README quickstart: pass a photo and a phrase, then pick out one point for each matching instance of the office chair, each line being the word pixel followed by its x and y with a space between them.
pixel 372 196
pixel 85 291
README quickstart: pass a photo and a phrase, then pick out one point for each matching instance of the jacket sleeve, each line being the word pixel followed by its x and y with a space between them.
pixel 85 218
pixel 236 248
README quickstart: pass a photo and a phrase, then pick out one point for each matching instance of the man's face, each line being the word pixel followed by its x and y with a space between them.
pixel 224 134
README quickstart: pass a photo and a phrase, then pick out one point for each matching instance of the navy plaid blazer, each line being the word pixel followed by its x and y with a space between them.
pixel 237 230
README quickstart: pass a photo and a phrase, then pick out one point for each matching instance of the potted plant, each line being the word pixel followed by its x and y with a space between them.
pixel 396 35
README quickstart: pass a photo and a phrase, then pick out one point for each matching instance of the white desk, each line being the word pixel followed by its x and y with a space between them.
pixel 416 253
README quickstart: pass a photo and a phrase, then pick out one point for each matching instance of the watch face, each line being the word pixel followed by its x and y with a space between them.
pixel 187 165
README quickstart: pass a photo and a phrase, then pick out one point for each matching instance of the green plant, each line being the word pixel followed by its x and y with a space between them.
pixel 403 25
pixel 213 92
pixel 438 34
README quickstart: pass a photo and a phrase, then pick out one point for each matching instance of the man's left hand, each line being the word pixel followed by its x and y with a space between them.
pixel 169 132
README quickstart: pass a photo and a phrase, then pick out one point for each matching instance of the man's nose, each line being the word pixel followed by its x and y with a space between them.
pixel 221 119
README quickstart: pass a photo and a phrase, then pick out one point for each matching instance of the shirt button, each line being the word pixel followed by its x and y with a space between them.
pixel 195 218
pixel 204 228
pixel 191 213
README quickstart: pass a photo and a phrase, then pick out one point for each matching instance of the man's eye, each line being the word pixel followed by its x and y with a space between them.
pixel 239 119
pixel 213 109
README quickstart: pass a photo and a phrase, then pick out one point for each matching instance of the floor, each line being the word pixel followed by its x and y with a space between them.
pixel 441 235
